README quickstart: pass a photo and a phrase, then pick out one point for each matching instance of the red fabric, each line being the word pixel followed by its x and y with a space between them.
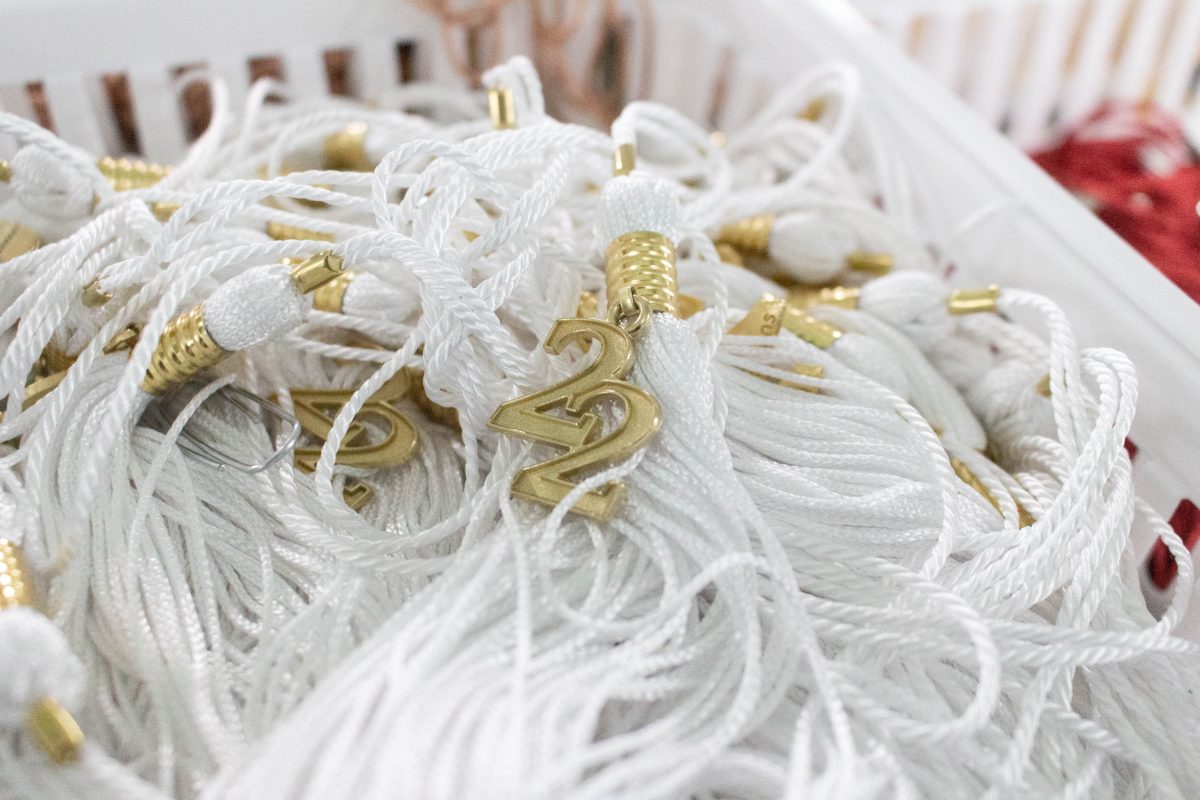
pixel 1186 522
pixel 1135 168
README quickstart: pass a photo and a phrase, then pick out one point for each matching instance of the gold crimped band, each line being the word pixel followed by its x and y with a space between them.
pixel 973 301
pixel 643 261
pixel 185 350
pixel 125 174
pixel 331 295
pixel 750 236
pixel 15 589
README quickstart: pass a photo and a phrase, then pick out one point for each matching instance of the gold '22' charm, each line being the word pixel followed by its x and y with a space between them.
pixel 316 409
pixel 577 430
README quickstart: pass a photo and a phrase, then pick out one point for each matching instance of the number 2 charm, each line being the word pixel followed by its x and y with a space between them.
pixel 577 430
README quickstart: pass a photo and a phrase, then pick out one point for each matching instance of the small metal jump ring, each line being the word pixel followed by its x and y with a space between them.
pixel 631 311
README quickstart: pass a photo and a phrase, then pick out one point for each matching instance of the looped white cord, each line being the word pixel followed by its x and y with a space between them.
pixel 518 76
pixel 669 144
pixel 201 157
pixel 48 187
pixel 825 153
pixel 30 134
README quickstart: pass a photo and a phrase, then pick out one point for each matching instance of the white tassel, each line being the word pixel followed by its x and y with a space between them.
pixel 50 196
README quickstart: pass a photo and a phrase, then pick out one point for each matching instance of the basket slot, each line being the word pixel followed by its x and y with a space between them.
pixel 73 107
pixel 688 89
pixel 232 72
pixel 341 76
pixel 1182 54
pixel 265 66
pixel 743 94
pixel 117 123
pixel 1085 88
pixel 1142 50
pixel 1044 69
pixel 156 108
pixel 514 31
pixel 939 44
pixel 997 51
pixel 15 100
pixel 895 26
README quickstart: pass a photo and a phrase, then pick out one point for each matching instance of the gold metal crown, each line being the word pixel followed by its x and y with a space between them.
pixel 870 263
pixel 331 295
pixel 973 301
pixel 750 236
pixel 502 109
pixel 15 589
pixel 125 174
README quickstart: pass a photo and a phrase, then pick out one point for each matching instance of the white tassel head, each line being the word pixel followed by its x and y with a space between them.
pixel 638 202
pixel 639 219
pixel 48 187
pixel 255 307
pixel 809 248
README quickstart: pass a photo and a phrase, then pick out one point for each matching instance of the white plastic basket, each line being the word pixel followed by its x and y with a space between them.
pixel 1044 241
pixel 1034 67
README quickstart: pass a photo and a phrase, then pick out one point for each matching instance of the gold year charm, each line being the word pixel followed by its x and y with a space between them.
pixel 578 430
pixel 316 410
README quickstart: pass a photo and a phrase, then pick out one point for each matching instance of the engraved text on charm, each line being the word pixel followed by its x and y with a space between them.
pixel 577 430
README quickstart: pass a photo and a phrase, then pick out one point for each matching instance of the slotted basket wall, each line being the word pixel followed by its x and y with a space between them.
pixel 1033 67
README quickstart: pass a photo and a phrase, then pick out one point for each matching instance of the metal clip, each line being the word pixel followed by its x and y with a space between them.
pixel 279 425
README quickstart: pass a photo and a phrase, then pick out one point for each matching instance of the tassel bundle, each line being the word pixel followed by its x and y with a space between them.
pixel 450 454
